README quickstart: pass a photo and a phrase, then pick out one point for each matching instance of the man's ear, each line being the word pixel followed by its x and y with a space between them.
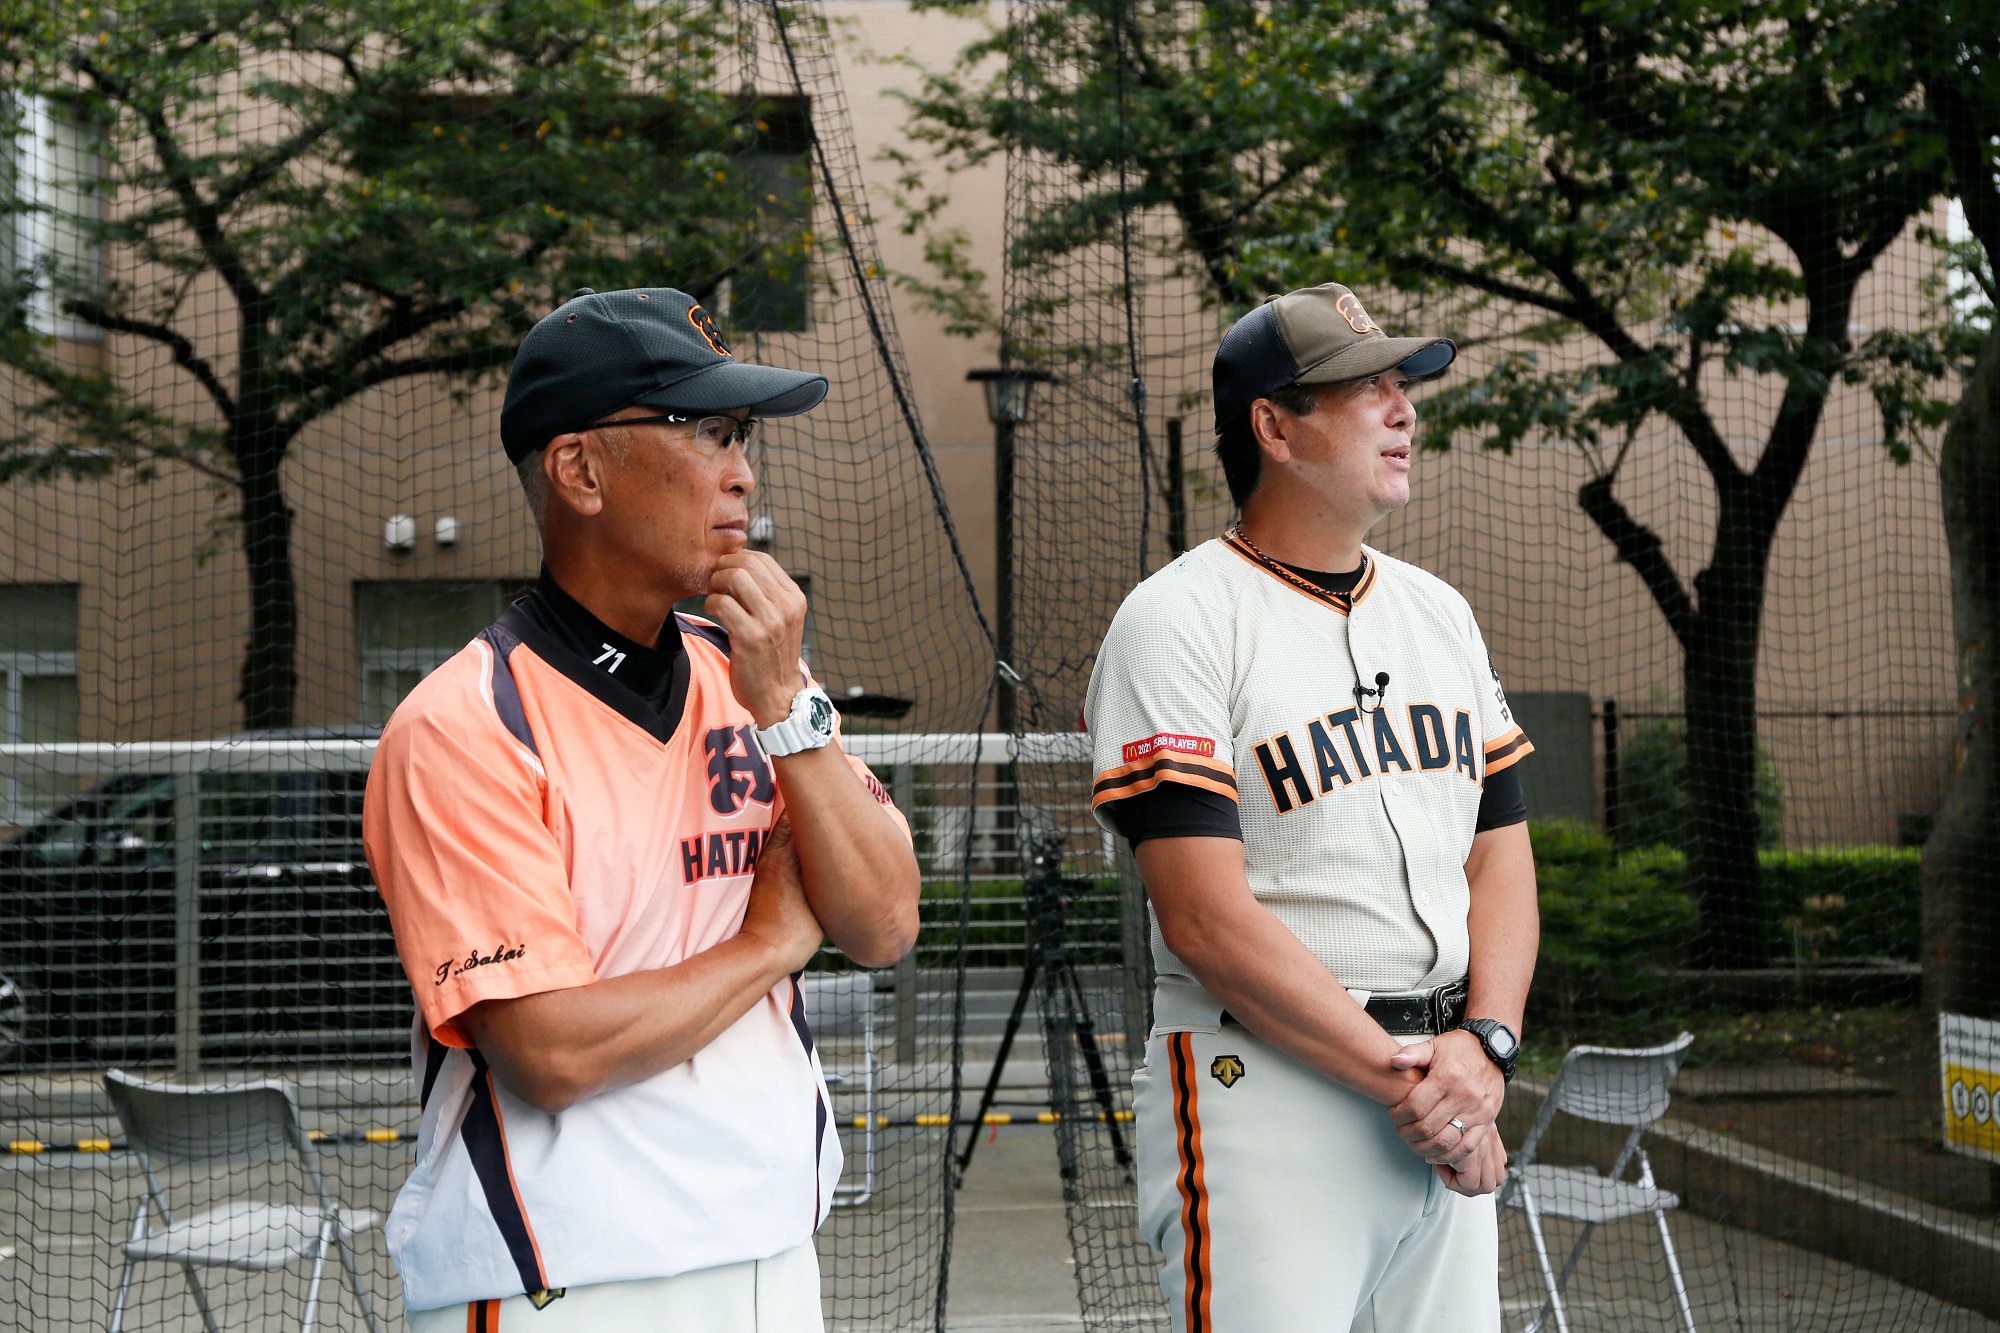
pixel 1270 429
pixel 574 466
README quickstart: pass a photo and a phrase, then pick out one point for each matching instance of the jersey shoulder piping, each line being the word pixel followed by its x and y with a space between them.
pixel 706 630
pixel 506 690
pixel 1344 603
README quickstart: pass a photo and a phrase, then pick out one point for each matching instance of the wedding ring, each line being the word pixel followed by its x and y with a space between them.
pixel 1458 1125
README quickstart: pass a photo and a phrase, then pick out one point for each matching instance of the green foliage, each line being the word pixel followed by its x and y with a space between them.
pixel 300 203
pixel 383 188
pixel 1665 181
pixel 1653 796
pixel 1845 902
pixel 1606 918
pixel 1612 919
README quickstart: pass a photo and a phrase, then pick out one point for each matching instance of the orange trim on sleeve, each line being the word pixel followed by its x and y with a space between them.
pixel 1155 760
pixel 1147 784
pixel 1115 784
pixel 1509 750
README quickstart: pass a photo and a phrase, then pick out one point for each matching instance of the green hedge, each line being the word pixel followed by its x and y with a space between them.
pixel 1844 902
pixel 1611 919
pixel 1820 903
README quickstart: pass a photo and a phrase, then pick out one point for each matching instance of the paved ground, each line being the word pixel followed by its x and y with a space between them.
pixel 1012 1273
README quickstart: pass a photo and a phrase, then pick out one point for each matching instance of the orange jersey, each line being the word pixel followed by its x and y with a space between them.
pixel 534 826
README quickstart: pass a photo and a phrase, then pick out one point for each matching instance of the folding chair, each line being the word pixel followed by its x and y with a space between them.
pixel 842 1005
pixel 1613 1087
pixel 167 1123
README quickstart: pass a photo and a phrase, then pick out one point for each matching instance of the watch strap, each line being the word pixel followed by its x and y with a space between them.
pixel 1484 1028
pixel 797 733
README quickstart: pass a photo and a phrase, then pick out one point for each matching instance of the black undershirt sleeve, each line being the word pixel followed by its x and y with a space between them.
pixel 1502 802
pixel 1175 810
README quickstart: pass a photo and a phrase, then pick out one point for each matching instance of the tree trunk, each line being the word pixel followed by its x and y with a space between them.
pixel 1961 863
pixel 1719 675
pixel 270 679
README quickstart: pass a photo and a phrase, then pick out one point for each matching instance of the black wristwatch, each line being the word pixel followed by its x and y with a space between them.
pixel 1502 1047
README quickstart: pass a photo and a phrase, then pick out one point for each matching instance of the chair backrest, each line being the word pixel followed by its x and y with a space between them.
pixel 1618 1086
pixel 839 1004
pixel 216 1122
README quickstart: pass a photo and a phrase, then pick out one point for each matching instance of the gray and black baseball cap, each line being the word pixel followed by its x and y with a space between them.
pixel 600 352
pixel 1316 335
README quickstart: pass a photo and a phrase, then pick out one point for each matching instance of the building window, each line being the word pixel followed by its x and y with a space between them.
pixel 408 628
pixel 52 176
pixel 38 698
pixel 770 290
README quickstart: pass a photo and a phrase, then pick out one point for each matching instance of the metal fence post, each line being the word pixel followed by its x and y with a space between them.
pixel 903 788
pixel 1136 941
pixel 187 925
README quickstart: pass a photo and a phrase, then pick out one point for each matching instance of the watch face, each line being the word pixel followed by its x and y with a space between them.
pixel 1502 1041
pixel 821 716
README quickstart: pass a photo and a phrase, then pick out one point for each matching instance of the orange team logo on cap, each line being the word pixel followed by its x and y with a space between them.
pixel 704 324
pixel 1357 319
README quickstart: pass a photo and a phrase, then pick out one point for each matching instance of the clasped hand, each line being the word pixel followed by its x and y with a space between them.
pixel 1459 1083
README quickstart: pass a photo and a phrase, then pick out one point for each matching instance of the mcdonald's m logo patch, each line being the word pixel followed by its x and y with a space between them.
pixel 1226 1070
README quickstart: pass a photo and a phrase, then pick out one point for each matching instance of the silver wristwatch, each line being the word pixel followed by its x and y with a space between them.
pixel 809 726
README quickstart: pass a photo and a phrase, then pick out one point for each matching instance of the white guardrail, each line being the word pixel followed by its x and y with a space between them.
pixel 893 756
pixel 110 758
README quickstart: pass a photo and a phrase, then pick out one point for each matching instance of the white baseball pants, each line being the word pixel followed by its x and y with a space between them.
pixel 1282 1202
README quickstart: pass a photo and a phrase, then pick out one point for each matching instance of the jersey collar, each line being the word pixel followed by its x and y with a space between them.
pixel 646 686
pixel 1343 602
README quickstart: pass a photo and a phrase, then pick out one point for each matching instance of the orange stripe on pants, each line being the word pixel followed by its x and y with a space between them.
pixel 1193 1189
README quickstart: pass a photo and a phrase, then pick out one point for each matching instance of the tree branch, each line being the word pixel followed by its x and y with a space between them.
pixel 463 361
pixel 264 166
pixel 199 213
pixel 173 340
pixel 1968 145
pixel 1640 547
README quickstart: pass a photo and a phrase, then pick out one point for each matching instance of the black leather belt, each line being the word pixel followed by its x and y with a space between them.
pixel 1426 1014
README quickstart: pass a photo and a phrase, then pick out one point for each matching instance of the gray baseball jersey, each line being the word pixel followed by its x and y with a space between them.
pixel 1357 798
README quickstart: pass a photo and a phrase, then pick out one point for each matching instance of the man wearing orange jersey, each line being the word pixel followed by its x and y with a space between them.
pixel 610 837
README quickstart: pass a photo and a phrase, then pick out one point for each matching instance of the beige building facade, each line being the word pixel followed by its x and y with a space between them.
pixel 1855 681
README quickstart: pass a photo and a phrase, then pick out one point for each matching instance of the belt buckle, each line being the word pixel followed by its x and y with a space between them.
pixel 1443 1004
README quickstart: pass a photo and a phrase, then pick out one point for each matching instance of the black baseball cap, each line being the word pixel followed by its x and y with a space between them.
pixel 1316 335
pixel 600 352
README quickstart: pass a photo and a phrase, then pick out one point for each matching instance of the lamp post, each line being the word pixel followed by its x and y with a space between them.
pixel 1007 392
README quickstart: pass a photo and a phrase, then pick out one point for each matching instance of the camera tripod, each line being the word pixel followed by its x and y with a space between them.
pixel 1064 1011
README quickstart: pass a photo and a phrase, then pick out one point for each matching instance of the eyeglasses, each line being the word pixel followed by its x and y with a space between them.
pixel 715 432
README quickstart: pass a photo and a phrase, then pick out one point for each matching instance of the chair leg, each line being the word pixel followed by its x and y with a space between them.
pixel 319 1270
pixel 118 1302
pixel 1674 1269
pixel 200 1297
pixel 1569 1264
pixel 1555 1299
pixel 354 1279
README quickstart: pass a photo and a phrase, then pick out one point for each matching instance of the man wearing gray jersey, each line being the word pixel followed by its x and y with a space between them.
pixel 1309 749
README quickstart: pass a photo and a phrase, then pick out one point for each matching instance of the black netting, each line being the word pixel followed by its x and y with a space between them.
pixel 265 272
pixel 1692 470
pixel 1716 304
